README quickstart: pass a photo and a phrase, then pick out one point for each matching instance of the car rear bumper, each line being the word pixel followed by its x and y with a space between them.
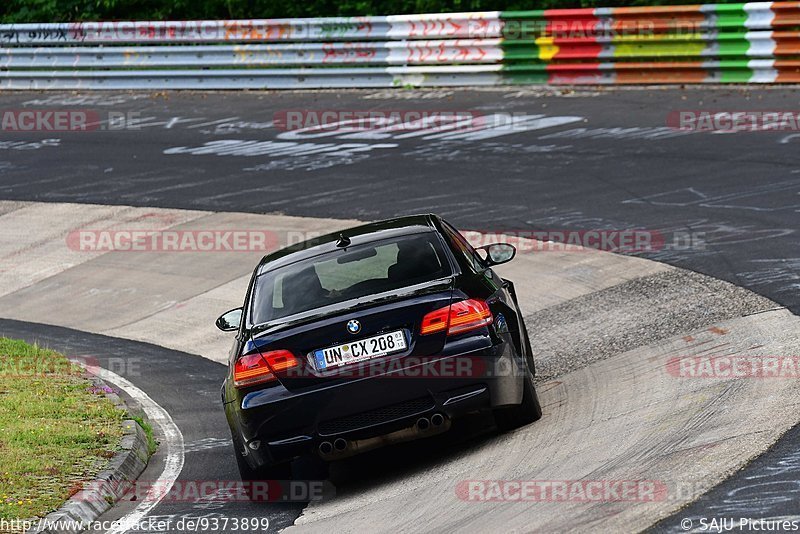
pixel 277 425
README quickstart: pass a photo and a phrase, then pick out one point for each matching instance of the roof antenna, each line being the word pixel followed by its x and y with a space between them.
pixel 343 241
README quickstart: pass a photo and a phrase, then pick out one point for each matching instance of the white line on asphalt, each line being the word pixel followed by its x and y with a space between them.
pixel 173 465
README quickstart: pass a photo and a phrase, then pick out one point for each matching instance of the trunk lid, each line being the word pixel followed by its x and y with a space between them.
pixel 400 311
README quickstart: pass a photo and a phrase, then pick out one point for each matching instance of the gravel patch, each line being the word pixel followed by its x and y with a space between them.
pixel 640 312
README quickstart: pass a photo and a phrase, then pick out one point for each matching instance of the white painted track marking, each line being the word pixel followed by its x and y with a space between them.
pixel 173 438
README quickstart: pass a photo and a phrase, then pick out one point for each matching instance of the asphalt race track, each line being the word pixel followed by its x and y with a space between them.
pixel 207 440
pixel 591 161
pixel 727 205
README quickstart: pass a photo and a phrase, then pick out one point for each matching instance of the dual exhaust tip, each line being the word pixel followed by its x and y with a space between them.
pixel 340 445
pixel 326 448
pixel 436 420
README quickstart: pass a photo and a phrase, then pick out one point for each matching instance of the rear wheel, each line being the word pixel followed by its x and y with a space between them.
pixel 528 349
pixel 250 475
pixel 310 468
pixel 528 411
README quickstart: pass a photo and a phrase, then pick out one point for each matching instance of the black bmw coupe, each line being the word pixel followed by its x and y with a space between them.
pixel 379 334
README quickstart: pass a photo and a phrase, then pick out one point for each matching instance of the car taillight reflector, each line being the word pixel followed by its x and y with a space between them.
pixel 280 360
pixel 435 321
pixel 258 368
pixel 457 318
pixel 468 315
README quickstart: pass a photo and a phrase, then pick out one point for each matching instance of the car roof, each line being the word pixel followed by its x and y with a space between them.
pixel 358 235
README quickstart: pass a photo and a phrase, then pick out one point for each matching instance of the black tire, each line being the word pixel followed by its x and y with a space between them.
pixel 529 410
pixel 310 468
pixel 259 492
pixel 528 349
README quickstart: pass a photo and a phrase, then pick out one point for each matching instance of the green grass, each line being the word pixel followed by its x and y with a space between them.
pixel 152 444
pixel 56 430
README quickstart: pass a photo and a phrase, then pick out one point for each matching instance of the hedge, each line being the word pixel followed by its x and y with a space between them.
pixel 78 10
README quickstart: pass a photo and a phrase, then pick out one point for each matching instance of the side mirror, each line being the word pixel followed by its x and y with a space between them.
pixel 230 320
pixel 498 253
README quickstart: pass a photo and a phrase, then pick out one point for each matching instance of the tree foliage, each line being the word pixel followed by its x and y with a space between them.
pixel 85 10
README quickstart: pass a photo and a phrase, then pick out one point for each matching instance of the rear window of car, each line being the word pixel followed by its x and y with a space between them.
pixel 346 274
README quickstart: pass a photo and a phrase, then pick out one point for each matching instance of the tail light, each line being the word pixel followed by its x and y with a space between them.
pixel 259 368
pixel 435 321
pixel 457 318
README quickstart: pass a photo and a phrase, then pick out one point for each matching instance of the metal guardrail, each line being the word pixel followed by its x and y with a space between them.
pixel 744 43
pixel 444 25
pixel 294 54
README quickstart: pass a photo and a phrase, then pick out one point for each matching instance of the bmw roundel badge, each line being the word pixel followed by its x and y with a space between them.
pixel 353 326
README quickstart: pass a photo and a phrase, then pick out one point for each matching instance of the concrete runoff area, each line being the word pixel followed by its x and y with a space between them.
pixel 625 418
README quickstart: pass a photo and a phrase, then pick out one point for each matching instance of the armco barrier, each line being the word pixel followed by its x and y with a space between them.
pixel 711 43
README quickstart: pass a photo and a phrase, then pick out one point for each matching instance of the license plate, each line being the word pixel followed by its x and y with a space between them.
pixel 359 350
